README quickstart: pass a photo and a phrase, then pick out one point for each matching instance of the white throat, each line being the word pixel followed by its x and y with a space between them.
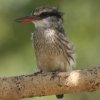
pixel 49 33
pixel 42 23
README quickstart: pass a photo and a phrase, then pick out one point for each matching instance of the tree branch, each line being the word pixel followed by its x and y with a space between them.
pixel 18 87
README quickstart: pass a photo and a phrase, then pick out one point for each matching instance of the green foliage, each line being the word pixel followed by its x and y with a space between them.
pixel 82 24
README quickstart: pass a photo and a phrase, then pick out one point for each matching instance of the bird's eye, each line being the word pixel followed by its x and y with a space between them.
pixel 48 14
pixel 43 15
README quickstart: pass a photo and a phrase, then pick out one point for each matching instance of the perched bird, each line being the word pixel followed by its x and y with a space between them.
pixel 53 50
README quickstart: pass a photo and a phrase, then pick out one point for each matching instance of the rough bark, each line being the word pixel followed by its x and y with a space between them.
pixel 18 87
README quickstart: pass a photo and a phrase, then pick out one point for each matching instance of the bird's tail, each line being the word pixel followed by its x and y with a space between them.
pixel 60 97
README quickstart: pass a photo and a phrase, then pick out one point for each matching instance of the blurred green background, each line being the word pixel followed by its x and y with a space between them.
pixel 82 23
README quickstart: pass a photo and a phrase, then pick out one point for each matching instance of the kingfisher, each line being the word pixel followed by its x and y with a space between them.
pixel 53 50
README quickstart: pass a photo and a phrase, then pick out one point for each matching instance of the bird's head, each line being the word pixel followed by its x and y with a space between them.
pixel 43 17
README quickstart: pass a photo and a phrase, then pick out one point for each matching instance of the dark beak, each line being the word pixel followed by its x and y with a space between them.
pixel 27 19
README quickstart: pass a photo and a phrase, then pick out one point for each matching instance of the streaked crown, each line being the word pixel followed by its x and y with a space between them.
pixel 43 12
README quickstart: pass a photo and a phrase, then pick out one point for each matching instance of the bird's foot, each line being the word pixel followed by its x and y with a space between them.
pixel 54 74
pixel 37 72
